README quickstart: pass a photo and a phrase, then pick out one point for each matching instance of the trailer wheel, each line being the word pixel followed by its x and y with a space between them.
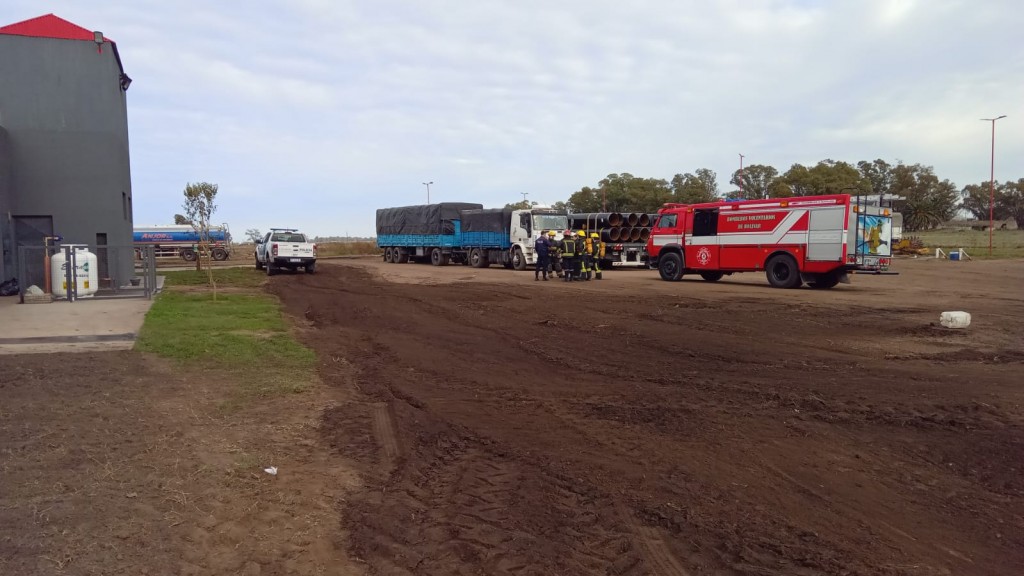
pixel 219 254
pixel 782 272
pixel 388 258
pixel 712 276
pixel 438 258
pixel 518 259
pixel 398 256
pixel 478 258
pixel 825 281
pixel 188 255
pixel 670 266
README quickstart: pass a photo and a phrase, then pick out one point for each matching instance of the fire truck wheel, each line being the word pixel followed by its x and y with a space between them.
pixel 824 281
pixel 670 266
pixel 783 272
pixel 712 276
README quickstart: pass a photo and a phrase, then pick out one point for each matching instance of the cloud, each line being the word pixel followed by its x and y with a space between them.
pixel 314 113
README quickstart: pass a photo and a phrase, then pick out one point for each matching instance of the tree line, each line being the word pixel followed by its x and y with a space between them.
pixel 927 201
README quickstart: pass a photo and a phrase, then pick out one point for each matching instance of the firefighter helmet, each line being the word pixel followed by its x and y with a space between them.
pixel 581 234
pixel 595 235
pixel 551 232
pixel 567 233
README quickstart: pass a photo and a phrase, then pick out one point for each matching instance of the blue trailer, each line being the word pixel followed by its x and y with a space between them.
pixel 464 234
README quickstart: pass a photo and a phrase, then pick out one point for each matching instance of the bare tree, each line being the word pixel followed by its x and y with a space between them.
pixel 199 207
pixel 254 235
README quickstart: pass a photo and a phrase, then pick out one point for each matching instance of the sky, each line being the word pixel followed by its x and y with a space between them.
pixel 314 113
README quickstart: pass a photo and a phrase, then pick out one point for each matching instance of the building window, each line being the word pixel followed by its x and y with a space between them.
pixel 124 205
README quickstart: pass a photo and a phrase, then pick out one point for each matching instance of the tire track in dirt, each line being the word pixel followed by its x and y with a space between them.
pixel 529 465
pixel 652 546
pixel 384 432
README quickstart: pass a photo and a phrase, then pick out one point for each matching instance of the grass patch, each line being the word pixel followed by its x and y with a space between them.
pixel 225 277
pixel 240 334
pixel 347 249
pixel 1005 243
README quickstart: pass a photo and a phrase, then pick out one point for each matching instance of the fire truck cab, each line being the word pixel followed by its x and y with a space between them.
pixel 812 239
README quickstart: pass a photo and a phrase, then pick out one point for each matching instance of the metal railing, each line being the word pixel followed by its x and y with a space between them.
pixel 35 268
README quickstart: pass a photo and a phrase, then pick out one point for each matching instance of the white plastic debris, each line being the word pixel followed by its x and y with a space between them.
pixel 272 470
pixel 957 319
pixel 34 290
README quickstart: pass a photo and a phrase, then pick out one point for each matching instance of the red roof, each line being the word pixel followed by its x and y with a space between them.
pixel 49 26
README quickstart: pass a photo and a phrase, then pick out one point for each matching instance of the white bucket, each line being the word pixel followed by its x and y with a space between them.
pixel 955 319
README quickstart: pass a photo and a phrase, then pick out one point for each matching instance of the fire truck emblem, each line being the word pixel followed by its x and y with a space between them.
pixel 704 256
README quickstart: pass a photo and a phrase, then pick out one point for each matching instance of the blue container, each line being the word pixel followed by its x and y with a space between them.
pixel 954 255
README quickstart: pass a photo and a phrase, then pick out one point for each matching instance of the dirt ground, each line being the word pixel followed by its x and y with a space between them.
pixel 478 422
pixel 121 463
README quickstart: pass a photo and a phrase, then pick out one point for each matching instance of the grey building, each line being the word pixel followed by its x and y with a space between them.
pixel 64 165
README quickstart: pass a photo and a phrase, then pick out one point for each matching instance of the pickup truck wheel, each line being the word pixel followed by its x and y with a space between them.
pixel 270 267
pixel 259 265
pixel 670 266
pixel 311 268
pixel 518 259
pixel 712 276
pixel 782 272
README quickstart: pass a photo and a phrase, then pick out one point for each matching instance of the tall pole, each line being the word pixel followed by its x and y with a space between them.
pixel 524 195
pixel 427 184
pixel 992 183
pixel 741 175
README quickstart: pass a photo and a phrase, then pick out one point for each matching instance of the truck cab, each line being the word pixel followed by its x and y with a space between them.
pixel 526 225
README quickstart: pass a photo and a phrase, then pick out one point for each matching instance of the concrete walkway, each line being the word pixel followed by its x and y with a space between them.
pixel 83 326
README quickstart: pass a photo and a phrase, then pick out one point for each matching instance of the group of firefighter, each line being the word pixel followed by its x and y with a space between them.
pixel 575 257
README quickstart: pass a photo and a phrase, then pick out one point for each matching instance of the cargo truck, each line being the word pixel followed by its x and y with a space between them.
pixel 624 235
pixel 464 233
pixel 182 241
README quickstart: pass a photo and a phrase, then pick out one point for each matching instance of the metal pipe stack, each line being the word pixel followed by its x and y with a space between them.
pixel 615 227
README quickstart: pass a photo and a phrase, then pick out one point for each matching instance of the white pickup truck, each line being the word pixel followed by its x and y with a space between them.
pixel 285 248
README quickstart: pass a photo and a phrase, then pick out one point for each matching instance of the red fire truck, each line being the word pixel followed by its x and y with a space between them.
pixel 812 239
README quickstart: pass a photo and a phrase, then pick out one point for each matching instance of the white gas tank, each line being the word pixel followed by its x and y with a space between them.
pixel 86 271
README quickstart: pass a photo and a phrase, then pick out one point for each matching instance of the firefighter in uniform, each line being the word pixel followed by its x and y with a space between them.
pixel 596 254
pixel 554 254
pixel 541 248
pixel 582 267
pixel 568 251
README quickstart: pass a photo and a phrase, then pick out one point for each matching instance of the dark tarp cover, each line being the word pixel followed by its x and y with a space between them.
pixel 487 220
pixel 422 219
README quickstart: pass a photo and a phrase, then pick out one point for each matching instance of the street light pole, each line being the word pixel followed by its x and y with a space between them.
pixel 741 175
pixel 524 195
pixel 427 184
pixel 992 183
